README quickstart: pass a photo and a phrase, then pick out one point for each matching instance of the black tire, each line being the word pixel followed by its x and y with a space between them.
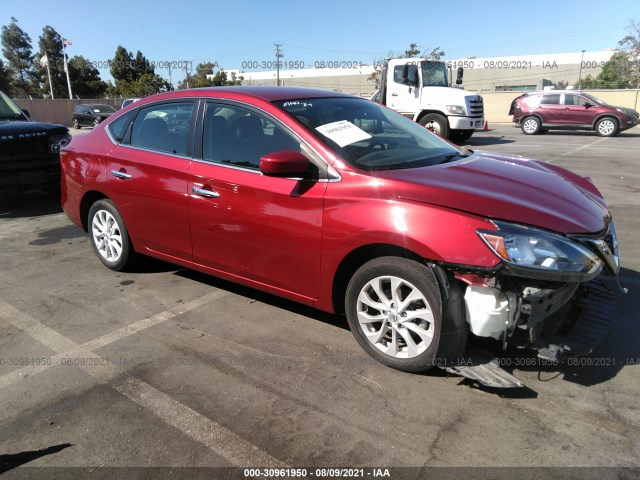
pixel 460 136
pixel 531 125
pixel 104 219
pixel 76 124
pixel 607 127
pixel 411 276
pixel 436 123
pixel 96 122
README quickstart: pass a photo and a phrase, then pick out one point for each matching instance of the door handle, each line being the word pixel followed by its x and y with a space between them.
pixel 205 193
pixel 394 94
pixel 117 173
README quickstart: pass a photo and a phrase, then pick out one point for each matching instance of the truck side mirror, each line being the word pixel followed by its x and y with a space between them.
pixel 459 77
pixel 405 74
pixel 406 80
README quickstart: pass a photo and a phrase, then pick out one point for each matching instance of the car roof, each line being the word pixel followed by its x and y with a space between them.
pixel 551 92
pixel 266 93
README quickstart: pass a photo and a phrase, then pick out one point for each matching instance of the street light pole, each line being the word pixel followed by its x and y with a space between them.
pixel 580 74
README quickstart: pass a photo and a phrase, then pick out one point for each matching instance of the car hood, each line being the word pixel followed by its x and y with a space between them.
pixel 507 188
pixel 15 130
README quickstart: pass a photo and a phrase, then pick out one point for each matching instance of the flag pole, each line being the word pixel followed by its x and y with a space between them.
pixel 66 65
pixel 44 61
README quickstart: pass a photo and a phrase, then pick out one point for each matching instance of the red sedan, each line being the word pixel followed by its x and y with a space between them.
pixel 339 203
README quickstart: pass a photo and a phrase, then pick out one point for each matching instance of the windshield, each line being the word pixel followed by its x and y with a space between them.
pixel 9 110
pixel 102 109
pixel 434 74
pixel 367 135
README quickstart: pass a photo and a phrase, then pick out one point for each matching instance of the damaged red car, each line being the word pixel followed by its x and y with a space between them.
pixel 339 203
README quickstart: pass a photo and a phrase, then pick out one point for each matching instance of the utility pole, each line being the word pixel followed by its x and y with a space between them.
pixel 279 55
pixel 580 74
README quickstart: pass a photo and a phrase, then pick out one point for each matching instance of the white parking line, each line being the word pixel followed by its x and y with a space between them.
pixel 574 150
pixel 214 436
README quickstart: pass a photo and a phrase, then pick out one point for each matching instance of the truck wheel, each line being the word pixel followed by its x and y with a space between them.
pixel 531 125
pixel 606 127
pixel 394 309
pixel 460 136
pixel 436 123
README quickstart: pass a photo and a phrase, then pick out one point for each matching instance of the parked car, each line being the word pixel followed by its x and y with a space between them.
pixel 538 112
pixel 90 115
pixel 29 151
pixel 339 203
pixel 128 102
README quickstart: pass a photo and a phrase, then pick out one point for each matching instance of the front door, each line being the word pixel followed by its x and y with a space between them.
pixel 247 224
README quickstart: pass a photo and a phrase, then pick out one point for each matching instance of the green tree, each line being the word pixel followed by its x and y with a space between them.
pixel 50 43
pixel 135 77
pixel 5 79
pixel 413 51
pixel 631 44
pixel 16 48
pixel 616 73
pixel 199 78
pixel 85 78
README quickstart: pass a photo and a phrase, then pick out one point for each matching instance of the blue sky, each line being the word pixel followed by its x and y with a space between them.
pixel 233 32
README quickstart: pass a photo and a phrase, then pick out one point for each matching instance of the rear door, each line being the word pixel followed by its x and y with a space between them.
pixel 247 224
pixel 148 177
pixel 550 109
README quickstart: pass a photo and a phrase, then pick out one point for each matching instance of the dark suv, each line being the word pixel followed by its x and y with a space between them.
pixel 537 112
pixel 29 151
pixel 90 115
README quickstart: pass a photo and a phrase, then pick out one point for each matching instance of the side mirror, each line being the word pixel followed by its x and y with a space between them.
pixel 587 104
pixel 26 113
pixel 413 81
pixel 285 163
pixel 459 77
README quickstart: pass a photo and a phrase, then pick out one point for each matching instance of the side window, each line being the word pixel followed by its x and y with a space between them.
pixel 397 73
pixel 581 100
pixel 571 99
pixel 163 128
pixel 237 136
pixel 118 127
pixel 550 100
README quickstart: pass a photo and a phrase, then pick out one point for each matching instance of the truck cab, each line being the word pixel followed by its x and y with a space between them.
pixel 421 90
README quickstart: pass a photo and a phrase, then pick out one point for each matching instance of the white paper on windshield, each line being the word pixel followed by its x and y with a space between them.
pixel 343 132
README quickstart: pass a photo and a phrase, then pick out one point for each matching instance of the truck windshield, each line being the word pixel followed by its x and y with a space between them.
pixel 9 110
pixel 367 135
pixel 434 74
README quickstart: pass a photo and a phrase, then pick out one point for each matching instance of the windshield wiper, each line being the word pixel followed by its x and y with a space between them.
pixel 451 156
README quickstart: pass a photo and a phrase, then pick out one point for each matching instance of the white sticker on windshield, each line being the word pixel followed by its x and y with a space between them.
pixel 343 132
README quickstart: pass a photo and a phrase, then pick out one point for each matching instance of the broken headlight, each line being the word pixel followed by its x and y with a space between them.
pixel 539 254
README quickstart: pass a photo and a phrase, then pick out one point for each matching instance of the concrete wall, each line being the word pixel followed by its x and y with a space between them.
pixel 59 111
pixel 496 104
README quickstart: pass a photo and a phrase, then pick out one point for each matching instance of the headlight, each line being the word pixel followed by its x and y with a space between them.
pixel 59 141
pixel 456 109
pixel 539 254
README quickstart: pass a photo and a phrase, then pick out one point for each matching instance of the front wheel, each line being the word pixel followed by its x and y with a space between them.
pixel 460 136
pixel 96 122
pixel 606 127
pixel 436 123
pixel 394 310
pixel 109 236
pixel 76 124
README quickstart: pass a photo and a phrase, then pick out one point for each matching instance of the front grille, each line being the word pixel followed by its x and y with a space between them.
pixel 24 146
pixel 475 106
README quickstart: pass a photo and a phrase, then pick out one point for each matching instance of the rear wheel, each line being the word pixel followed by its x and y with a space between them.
pixel 531 125
pixel 96 122
pixel 76 124
pixel 436 123
pixel 607 127
pixel 109 236
pixel 394 309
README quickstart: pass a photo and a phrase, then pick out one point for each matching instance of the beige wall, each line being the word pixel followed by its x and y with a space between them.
pixel 496 104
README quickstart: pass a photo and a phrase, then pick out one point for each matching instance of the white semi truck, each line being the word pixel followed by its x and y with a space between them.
pixel 421 90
